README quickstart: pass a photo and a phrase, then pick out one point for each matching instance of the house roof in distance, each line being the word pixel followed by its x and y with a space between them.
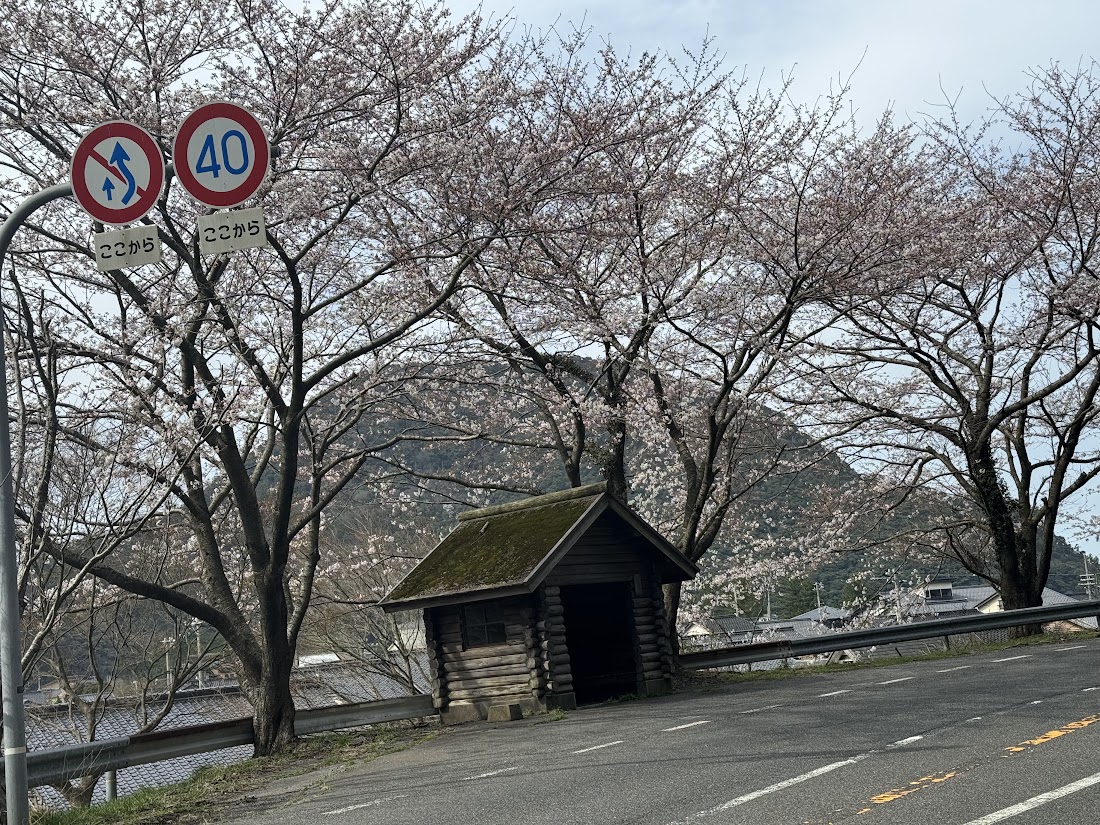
pixel 510 548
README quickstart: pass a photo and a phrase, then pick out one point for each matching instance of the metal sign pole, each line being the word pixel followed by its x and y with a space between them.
pixel 11 646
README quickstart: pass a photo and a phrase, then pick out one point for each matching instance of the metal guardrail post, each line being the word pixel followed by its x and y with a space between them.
pixel 111 785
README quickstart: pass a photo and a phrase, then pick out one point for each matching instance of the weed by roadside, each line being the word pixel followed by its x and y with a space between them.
pixel 213 792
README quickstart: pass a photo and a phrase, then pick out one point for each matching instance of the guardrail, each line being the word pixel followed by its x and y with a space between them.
pixel 59 764
pixel 830 642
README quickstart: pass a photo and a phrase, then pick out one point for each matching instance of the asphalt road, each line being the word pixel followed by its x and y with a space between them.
pixel 998 737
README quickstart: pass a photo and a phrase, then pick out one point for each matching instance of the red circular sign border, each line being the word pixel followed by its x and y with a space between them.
pixel 190 125
pixel 82 154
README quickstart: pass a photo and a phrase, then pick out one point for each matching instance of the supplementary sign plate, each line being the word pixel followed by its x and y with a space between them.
pixel 221 154
pixel 117 172
pixel 229 231
pixel 127 248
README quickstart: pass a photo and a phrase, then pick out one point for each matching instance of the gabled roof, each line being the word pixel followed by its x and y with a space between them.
pixel 825 613
pixel 509 549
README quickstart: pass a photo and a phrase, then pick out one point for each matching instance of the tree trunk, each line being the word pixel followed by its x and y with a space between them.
pixel 273 710
pixel 672 607
pixel 1018 593
pixel 1018 583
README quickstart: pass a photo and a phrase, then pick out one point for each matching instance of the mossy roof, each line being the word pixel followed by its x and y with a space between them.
pixel 509 549
pixel 492 552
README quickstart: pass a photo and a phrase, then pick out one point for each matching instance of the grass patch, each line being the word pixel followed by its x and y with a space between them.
pixel 210 793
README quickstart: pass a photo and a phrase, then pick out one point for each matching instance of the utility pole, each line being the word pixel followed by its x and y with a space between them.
pixel 1088 580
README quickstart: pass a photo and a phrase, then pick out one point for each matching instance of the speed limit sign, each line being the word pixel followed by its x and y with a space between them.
pixel 221 154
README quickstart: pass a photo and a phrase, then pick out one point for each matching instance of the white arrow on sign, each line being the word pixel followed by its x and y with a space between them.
pixel 221 154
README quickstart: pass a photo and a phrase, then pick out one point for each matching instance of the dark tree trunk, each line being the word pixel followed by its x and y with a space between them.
pixel 1018 582
pixel 672 593
pixel 273 709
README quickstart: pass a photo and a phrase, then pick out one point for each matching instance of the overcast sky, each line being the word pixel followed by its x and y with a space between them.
pixel 905 51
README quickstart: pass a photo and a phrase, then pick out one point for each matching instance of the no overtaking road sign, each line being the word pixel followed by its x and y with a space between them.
pixel 221 154
pixel 117 172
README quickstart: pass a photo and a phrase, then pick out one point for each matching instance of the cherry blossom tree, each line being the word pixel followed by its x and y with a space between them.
pixel 638 332
pixel 976 373
pixel 229 387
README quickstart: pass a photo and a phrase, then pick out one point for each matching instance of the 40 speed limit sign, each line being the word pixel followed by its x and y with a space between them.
pixel 221 154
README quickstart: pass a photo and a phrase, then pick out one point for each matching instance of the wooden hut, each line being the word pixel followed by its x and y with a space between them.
pixel 544 603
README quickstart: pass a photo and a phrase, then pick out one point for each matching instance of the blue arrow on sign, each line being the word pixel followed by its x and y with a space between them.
pixel 108 187
pixel 119 158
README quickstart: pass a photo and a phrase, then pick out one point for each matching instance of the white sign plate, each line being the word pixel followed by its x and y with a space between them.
pixel 229 231
pixel 127 248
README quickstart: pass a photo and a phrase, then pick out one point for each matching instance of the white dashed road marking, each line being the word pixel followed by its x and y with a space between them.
pixel 361 805
pixel 491 773
pixel 953 669
pixel 1064 649
pixel 688 725
pixel 834 693
pixel 1012 658
pixel 901 743
pixel 758 710
pixel 597 747
pixel 893 681
pixel 1036 801
pixel 794 780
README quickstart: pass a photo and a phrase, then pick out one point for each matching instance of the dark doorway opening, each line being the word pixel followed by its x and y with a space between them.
pixel 599 631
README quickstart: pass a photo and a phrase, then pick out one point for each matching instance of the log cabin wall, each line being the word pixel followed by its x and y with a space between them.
pixel 435 661
pixel 607 553
pixel 472 677
pixel 652 649
pixel 552 653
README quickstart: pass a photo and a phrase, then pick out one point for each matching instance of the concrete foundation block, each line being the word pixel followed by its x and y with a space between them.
pixel 505 713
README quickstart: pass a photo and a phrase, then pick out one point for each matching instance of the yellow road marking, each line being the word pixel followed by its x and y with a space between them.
pixel 913 787
pixel 1051 735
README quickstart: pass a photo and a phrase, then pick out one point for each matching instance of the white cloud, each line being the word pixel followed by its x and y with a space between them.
pixel 907 49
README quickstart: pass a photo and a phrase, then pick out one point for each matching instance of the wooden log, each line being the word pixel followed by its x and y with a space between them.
pixel 520 669
pixel 475 659
pixel 647 637
pixel 556 652
pixel 520 681
pixel 482 651
pixel 490 692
